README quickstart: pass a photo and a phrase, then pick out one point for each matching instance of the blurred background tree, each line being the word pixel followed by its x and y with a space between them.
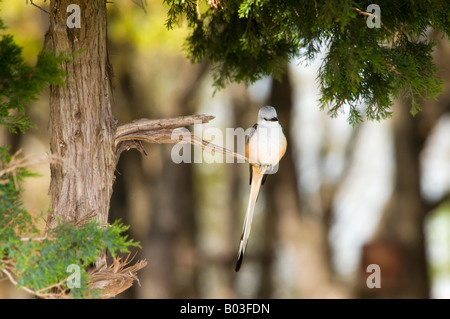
pixel 316 226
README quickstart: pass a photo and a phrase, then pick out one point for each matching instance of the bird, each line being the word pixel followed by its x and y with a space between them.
pixel 265 146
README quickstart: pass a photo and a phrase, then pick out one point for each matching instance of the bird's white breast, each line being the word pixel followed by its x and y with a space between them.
pixel 266 145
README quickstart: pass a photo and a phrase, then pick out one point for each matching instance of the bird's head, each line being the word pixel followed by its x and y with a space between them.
pixel 267 115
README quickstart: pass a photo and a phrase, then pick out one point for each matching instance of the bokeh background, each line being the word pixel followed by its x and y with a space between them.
pixel 343 198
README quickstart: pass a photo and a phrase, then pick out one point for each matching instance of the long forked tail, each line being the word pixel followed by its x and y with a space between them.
pixel 254 190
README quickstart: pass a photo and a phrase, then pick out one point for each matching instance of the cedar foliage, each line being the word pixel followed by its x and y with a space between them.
pixel 364 68
pixel 21 83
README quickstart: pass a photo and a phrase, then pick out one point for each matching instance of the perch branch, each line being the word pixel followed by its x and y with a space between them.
pixel 210 147
pixel 148 125
pixel 160 131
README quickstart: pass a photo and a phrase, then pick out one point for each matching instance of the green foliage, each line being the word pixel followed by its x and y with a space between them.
pixel 363 68
pixel 21 83
pixel 41 261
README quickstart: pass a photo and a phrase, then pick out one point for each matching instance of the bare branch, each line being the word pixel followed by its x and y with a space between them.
pixel 34 238
pixel 31 160
pixel 161 131
pixel 33 4
pixel 215 4
pixel 115 278
pixel 199 16
pixel 367 14
pixel 140 3
pixel 148 125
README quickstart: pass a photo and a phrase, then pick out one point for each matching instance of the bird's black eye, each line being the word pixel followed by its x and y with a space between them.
pixel 273 119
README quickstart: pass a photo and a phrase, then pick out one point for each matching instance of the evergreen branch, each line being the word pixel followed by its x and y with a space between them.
pixel 39 293
pixel 37 264
pixel 247 40
pixel 111 280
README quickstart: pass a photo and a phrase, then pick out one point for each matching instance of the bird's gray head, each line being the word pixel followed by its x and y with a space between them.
pixel 267 114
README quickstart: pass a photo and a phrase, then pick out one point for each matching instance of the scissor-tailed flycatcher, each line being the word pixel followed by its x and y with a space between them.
pixel 266 145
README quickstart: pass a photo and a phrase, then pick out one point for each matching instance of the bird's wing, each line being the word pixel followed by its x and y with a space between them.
pixel 247 138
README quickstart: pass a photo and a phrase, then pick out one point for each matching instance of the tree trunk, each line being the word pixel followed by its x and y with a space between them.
pixel 81 122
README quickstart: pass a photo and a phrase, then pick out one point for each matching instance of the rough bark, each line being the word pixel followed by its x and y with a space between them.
pixel 81 122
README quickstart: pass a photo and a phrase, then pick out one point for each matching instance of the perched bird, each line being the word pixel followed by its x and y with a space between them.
pixel 265 146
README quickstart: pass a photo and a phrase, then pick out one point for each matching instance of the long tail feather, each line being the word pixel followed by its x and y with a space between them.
pixel 254 190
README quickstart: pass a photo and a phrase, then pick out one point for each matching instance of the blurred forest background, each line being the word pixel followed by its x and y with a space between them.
pixel 342 199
